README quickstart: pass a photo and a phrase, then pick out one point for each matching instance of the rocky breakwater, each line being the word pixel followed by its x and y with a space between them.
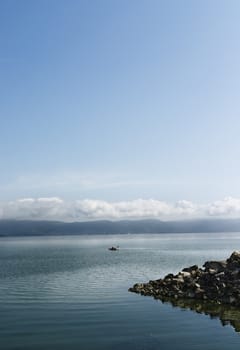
pixel 216 281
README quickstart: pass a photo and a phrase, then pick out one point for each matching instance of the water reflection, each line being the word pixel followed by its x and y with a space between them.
pixel 228 315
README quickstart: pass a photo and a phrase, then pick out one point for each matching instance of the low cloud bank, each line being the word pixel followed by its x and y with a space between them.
pixel 55 208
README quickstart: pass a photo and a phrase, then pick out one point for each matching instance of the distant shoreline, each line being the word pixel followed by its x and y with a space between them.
pixel 18 228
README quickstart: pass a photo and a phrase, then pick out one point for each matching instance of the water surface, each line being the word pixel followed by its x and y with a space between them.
pixel 72 293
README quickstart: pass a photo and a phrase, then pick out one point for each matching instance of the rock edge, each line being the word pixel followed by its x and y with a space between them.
pixel 217 281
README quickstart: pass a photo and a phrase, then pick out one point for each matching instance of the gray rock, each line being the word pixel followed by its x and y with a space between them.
pixel 190 269
pixel 219 266
pixel 218 282
pixel 235 256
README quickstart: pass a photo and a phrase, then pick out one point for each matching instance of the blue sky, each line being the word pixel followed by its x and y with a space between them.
pixel 120 100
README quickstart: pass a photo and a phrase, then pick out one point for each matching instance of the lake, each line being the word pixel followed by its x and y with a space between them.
pixel 72 293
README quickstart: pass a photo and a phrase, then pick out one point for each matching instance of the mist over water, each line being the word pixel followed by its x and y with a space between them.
pixel 71 292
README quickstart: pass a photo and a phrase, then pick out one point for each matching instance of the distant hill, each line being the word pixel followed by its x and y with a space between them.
pixel 43 228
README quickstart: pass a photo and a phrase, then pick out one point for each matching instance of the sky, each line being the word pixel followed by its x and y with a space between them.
pixel 114 109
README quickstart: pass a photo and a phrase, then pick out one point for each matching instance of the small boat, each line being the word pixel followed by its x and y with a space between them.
pixel 113 248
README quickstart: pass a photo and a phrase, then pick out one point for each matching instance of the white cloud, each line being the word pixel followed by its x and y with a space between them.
pixel 34 208
pixel 124 209
pixel 54 208
pixel 227 206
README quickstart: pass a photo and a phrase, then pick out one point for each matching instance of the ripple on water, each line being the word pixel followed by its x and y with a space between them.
pixel 60 293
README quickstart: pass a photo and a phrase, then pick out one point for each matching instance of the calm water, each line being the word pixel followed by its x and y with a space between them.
pixel 72 293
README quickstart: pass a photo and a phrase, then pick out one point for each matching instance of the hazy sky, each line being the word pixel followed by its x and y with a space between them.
pixel 119 100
